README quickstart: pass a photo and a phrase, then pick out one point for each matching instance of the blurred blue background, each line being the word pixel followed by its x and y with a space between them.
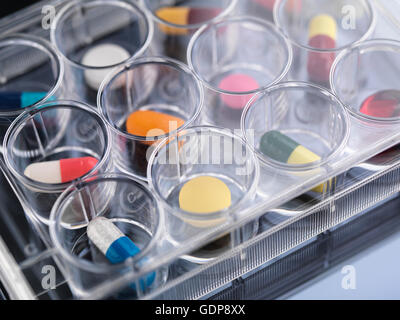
pixel 377 276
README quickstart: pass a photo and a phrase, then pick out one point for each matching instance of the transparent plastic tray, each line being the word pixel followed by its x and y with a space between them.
pixel 362 184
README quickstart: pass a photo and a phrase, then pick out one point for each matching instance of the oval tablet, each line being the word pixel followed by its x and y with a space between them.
pixel 102 56
pixel 204 195
pixel 383 104
pixel 152 123
pixel 237 82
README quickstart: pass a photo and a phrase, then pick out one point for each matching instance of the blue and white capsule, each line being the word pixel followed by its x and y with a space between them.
pixel 116 246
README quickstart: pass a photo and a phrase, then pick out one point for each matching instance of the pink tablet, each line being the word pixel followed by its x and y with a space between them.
pixel 237 82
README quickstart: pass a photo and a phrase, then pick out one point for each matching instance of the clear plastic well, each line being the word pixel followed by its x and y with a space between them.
pixel 177 21
pixel 94 37
pixel 52 145
pixel 319 30
pixel 31 73
pixel 135 212
pixel 143 103
pixel 236 58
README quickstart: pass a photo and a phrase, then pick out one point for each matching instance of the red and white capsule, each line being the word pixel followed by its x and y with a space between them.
pixel 60 171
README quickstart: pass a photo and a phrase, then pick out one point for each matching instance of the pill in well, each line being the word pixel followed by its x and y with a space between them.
pixel 383 104
pixel 269 4
pixel 115 246
pixel 291 6
pixel 237 83
pixel 322 35
pixel 149 123
pixel 183 16
pixel 282 148
pixel 60 171
pixel 110 240
pixel 103 55
pixel 323 24
pixel 16 100
pixel 204 194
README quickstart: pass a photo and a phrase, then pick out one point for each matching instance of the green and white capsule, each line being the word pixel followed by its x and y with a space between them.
pixel 282 148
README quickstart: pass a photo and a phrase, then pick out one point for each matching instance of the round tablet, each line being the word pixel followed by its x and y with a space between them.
pixel 102 56
pixel 204 195
pixel 237 82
